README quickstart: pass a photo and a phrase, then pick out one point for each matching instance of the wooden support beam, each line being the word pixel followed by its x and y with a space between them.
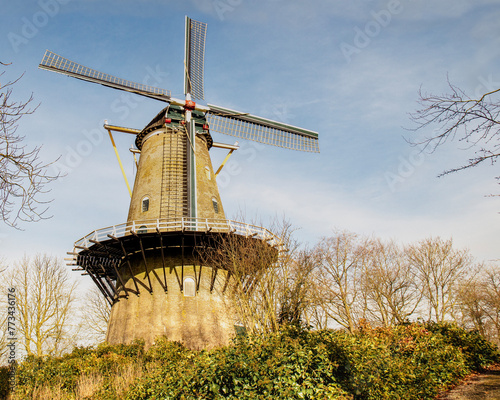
pixel 113 264
pixel 163 260
pixel 224 162
pixel 121 280
pixel 225 146
pixel 164 286
pixel 199 279
pixel 111 285
pixel 212 278
pixel 145 264
pixel 103 290
pixel 119 162
pixel 125 255
pixel 228 276
pixel 121 129
pixel 108 280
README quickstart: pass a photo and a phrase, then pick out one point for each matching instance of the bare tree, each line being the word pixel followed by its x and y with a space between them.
pixel 45 298
pixel 23 176
pixel 480 303
pixel 472 304
pixel 492 302
pixel 252 292
pixel 440 269
pixel 296 287
pixel 268 288
pixel 95 311
pixel 488 293
pixel 389 285
pixel 456 115
pixel 341 260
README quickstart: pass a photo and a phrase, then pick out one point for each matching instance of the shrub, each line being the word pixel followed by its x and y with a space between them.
pixel 412 361
pixel 478 352
pixel 4 382
pixel 402 362
pixel 276 366
pixel 67 373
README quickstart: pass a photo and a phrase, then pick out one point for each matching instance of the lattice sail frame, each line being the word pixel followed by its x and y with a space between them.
pixel 262 130
pixel 56 63
pixel 196 33
pixel 221 120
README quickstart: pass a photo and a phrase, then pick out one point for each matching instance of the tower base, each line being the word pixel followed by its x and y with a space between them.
pixel 189 309
pixel 151 274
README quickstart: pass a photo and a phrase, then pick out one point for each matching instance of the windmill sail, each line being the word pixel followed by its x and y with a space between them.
pixel 221 120
pixel 194 58
pixel 262 130
pixel 53 62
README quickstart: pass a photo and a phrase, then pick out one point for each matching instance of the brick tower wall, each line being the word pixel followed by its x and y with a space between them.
pixel 199 322
pixel 162 178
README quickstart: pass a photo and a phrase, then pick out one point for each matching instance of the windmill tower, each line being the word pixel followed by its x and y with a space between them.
pixel 149 268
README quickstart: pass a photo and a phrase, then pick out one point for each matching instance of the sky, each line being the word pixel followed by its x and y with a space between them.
pixel 348 70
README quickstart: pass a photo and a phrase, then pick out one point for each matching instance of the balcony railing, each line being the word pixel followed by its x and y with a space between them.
pixel 180 225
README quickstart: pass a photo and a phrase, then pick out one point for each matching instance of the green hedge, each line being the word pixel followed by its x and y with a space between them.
pixel 406 362
pixel 284 366
pixel 478 352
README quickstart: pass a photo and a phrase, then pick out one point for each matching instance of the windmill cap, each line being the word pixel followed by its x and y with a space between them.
pixel 174 115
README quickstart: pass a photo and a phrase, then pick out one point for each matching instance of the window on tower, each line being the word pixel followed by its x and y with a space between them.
pixel 145 204
pixel 215 204
pixel 189 287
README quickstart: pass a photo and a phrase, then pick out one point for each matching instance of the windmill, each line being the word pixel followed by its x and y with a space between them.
pixel 149 268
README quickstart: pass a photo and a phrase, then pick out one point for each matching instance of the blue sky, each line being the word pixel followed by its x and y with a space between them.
pixel 349 70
